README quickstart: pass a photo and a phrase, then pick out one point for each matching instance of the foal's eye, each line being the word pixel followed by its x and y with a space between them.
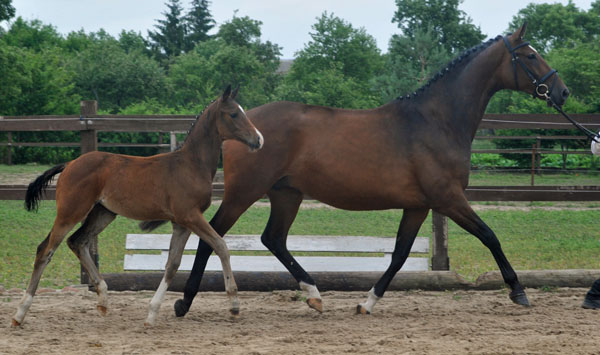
pixel 531 56
pixel 233 115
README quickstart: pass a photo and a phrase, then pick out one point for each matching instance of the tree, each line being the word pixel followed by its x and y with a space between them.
pixel 169 38
pixel 7 11
pixel 334 68
pixel 31 34
pixel 106 72
pixel 337 41
pixel 410 62
pixel 453 27
pixel 198 22
pixel 558 25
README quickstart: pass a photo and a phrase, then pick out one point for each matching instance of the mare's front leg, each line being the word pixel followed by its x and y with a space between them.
pixel 198 224
pixel 178 240
pixel 412 219
pixel 463 215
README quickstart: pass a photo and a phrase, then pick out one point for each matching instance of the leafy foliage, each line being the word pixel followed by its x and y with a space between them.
pixel 335 67
pixel 7 11
pixel 452 27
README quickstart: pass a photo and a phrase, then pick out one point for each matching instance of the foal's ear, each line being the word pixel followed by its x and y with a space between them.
pixel 523 30
pixel 235 92
pixel 226 93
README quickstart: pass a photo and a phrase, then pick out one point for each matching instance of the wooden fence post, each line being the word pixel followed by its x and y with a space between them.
pixel 173 141
pixel 439 259
pixel 9 149
pixel 89 143
pixel 89 137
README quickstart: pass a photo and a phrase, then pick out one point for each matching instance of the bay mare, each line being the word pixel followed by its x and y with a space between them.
pixel 412 153
pixel 175 186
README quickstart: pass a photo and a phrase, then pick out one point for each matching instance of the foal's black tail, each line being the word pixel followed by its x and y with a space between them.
pixel 35 189
pixel 149 226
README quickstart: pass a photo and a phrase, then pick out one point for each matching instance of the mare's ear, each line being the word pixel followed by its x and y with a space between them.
pixel 523 30
pixel 226 93
pixel 235 92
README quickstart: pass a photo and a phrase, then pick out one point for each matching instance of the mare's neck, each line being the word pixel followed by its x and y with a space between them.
pixel 203 144
pixel 465 98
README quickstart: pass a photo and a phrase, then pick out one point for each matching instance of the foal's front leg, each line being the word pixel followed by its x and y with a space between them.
pixel 202 228
pixel 178 241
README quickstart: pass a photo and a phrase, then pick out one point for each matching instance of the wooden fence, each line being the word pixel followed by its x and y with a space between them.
pixel 89 123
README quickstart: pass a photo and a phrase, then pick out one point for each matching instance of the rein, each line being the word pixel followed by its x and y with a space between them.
pixel 542 89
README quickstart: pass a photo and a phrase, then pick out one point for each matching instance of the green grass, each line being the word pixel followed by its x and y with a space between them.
pixel 536 239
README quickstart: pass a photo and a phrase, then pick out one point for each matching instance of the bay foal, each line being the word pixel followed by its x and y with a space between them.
pixel 175 186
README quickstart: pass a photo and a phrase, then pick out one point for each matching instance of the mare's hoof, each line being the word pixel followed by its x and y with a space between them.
pixel 235 311
pixel 588 303
pixel 520 298
pixel 361 310
pixel 316 304
pixel 15 324
pixel 102 310
pixel 181 308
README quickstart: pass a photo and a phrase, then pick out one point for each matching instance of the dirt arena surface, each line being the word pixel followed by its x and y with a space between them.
pixel 411 322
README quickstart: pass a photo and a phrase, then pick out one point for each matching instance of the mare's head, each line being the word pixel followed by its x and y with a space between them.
pixel 525 70
pixel 232 122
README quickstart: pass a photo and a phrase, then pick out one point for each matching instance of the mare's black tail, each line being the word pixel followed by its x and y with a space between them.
pixel 35 189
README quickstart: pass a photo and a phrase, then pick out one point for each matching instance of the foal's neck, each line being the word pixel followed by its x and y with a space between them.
pixel 203 144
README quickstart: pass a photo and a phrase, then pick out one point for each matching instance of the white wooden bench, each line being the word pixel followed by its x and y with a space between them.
pixel 295 243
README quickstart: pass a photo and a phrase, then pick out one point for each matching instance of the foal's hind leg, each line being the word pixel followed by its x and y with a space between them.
pixel 464 216
pixel 44 253
pixel 178 240
pixel 285 203
pixel 412 219
pixel 198 224
pixel 96 221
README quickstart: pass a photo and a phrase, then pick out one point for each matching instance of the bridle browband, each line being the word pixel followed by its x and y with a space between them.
pixel 542 89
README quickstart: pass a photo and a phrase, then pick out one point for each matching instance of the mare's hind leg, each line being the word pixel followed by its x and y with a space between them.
pixel 464 216
pixel 178 241
pixel 79 242
pixel 412 219
pixel 43 256
pixel 285 203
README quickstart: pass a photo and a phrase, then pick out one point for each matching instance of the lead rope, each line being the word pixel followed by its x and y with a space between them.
pixel 588 133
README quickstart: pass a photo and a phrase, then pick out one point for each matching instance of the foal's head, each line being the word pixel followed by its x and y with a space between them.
pixel 530 72
pixel 232 122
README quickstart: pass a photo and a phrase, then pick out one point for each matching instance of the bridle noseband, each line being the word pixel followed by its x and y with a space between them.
pixel 541 89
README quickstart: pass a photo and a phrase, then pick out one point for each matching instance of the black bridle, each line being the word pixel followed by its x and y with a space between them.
pixel 541 88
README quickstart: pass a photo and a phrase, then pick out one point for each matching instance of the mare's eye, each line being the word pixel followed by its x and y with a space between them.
pixel 531 56
pixel 233 115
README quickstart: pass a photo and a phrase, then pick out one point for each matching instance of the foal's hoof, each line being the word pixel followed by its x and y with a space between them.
pixel 588 303
pixel 235 312
pixel 362 310
pixel 181 308
pixel 520 298
pixel 102 310
pixel 14 323
pixel 316 304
